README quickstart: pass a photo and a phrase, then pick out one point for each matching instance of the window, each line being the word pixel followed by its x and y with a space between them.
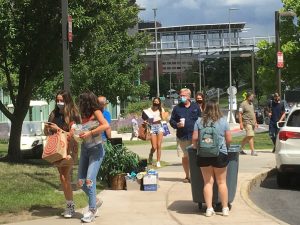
pixel 294 119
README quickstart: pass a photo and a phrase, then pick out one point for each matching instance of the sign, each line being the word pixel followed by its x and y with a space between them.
pixel 234 103
pixel 233 90
pixel 280 63
pixel 70 35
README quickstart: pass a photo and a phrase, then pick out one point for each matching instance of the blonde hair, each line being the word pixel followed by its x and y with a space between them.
pixel 186 90
pixel 211 112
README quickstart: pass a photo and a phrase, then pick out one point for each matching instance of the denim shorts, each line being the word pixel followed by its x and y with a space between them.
pixel 156 128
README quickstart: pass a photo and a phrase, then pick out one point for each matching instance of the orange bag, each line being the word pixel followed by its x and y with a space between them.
pixel 144 132
pixel 56 147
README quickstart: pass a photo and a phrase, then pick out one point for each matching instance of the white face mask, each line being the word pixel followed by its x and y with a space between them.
pixel 60 105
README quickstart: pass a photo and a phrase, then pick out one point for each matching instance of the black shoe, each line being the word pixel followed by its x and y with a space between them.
pixel 273 150
pixel 242 152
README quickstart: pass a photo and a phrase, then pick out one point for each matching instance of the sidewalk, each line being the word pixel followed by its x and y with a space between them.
pixel 172 203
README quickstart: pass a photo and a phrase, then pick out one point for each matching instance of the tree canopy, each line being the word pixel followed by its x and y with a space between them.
pixel 104 56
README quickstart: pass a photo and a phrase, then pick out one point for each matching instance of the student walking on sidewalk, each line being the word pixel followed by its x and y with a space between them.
pixel 64 115
pixel 183 118
pixel 248 122
pixel 92 151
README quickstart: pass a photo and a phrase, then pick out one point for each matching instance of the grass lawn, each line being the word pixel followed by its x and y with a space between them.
pixel 261 141
pixel 33 185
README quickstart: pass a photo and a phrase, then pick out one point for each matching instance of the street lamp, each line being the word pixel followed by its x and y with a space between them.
pixel 200 82
pixel 230 75
pixel 156 55
pixel 277 42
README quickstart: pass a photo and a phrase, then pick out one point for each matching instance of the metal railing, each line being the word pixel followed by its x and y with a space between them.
pixel 197 44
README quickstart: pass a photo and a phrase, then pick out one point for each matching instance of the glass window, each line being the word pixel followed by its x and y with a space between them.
pixel 294 119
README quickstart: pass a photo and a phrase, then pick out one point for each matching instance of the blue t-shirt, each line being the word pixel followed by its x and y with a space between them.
pixel 222 126
pixel 106 115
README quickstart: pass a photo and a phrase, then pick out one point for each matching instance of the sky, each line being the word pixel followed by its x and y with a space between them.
pixel 258 14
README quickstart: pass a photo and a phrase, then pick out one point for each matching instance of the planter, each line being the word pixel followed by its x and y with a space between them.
pixel 117 182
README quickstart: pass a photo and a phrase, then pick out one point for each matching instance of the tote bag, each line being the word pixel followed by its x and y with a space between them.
pixel 55 148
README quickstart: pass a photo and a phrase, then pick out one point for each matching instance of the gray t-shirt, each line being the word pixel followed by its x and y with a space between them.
pixel 221 125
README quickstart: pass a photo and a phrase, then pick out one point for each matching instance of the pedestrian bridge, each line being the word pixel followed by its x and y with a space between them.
pixel 205 39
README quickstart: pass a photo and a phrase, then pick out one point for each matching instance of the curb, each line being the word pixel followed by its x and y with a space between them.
pixel 248 185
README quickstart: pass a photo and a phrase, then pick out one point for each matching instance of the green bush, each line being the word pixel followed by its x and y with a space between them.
pixel 137 107
pixel 118 159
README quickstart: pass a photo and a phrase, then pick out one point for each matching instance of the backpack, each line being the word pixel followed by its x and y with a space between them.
pixel 208 141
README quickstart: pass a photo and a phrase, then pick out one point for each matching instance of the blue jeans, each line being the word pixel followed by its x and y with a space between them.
pixel 273 131
pixel 89 165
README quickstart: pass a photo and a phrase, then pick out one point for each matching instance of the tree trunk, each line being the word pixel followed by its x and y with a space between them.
pixel 14 151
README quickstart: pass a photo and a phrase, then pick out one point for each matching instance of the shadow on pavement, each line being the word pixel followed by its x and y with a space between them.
pixel 184 207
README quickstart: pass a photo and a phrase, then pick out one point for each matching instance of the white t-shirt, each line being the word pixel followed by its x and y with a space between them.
pixel 156 114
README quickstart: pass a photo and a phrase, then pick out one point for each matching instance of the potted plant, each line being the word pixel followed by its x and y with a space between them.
pixel 118 161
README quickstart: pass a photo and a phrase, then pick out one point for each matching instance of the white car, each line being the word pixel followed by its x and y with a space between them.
pixel 287 149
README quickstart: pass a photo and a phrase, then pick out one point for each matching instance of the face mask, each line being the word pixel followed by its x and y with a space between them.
pixel 155 104
pixel 60 105
pixel 183 99
pixel 199 101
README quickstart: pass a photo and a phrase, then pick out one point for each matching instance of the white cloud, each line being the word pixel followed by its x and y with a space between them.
pixel 258 14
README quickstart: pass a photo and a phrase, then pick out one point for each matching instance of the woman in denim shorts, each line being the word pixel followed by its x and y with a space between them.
pixel 156 130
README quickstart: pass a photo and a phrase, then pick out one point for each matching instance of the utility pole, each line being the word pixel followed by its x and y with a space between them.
pixel 277 47
pixel 156 55
pixel 65 43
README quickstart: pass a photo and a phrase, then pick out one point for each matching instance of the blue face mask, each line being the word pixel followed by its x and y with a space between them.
pixel 183 99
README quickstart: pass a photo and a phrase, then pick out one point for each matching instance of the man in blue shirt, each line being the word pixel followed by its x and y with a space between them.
pixel 276 114
pixel 183 118
pixel 103 103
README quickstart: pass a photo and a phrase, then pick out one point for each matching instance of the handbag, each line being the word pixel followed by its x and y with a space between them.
pixel 144 132
pixel 56 147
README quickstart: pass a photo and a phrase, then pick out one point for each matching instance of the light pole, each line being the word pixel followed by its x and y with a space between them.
pixel 230 75
pixel 199 78
pixel 156 55
pixel 277 42
pixel 65 43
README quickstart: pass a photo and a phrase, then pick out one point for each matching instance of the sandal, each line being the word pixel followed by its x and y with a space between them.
pixel 186 180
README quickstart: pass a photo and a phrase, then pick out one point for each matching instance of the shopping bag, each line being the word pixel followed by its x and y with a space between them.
pixel 144 132
pixel 55 148
pixel 165 128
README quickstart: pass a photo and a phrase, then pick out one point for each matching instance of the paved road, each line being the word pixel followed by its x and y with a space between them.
pixel 283 204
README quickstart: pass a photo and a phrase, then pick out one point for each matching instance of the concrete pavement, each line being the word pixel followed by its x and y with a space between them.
pixel 172 203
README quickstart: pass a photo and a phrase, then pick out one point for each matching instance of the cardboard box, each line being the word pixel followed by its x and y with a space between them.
pixel 150 182
pixel 133 185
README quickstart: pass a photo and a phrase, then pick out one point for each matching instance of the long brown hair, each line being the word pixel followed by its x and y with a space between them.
pixel 203 100
pixel 70 109
pixel 211 112
pixel 88 104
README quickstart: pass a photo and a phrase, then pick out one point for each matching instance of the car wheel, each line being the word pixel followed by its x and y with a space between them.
pixel 37 152
pixel 283 179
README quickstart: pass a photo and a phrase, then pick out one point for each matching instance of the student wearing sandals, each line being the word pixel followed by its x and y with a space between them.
pixel 92 151
pixel 64 115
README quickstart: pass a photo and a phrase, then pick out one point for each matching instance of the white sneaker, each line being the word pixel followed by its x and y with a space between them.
pixel 89 216
pixel 210 212
pixel 158 164
pixel 225 211
pixel 69 211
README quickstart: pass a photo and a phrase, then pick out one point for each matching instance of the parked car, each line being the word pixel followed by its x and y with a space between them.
pixel 287 151
pixel 32 139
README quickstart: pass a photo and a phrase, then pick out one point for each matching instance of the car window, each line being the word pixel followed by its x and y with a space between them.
pixel 294 119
